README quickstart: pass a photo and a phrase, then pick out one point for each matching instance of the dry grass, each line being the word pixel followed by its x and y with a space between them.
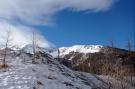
pixel 4 66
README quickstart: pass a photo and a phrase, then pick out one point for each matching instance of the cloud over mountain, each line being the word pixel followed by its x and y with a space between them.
pixel 20 35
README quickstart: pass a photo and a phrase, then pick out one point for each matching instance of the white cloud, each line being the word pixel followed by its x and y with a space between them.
pixel 21 35
pixel 35 12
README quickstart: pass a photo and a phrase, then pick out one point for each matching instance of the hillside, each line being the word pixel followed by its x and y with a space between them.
pixel 101 60
pixel 47 73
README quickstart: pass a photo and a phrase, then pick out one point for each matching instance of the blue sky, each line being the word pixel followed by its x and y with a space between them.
pixel 73 28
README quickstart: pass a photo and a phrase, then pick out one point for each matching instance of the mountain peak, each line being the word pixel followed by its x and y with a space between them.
pixel 81 49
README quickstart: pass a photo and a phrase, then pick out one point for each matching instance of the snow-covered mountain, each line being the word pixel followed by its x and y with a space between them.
pixel 87 49
pixel 80 49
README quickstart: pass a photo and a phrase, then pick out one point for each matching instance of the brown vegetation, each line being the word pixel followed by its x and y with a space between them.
pixel 4 66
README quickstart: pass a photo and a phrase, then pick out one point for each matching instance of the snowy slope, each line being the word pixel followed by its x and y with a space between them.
pixel 29 49
pixel 80 49
pixel 48 75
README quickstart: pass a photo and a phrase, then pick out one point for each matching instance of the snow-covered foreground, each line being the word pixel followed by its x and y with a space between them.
pixel 17 76
pixel 48 75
